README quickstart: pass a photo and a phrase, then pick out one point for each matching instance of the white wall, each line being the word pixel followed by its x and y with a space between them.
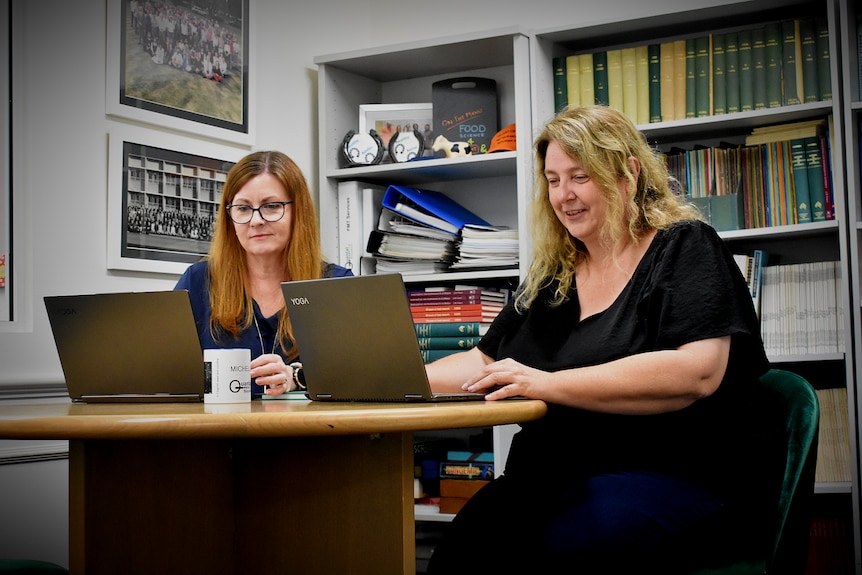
pixel 60 145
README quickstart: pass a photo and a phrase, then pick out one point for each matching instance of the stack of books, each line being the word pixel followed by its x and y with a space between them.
pixel 462 474
pixel 453 319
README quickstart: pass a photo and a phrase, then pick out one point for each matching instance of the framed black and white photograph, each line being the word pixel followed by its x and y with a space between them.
pixel 162 202
pixel 182 65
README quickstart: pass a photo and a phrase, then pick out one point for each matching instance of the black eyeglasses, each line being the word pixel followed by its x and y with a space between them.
pixel 243 213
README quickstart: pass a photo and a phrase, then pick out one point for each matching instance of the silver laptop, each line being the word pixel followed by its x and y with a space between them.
pixel 128 347
pixel 357 340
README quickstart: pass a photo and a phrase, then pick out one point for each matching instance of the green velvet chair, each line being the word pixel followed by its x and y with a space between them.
pixel 788 551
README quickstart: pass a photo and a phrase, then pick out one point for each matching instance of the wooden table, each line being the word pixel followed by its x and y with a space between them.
pixel 266 487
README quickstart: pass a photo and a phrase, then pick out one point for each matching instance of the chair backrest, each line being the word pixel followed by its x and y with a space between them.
pixel 797 400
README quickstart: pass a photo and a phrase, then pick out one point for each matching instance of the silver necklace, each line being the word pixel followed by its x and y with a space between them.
pixel 260 337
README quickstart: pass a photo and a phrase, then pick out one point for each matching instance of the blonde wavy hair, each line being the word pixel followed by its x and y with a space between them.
pixel 231 302
pixel 602 140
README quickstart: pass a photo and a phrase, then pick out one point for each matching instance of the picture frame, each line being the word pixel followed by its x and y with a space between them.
pixel 182 79
pixel 162 202
pixel 387 119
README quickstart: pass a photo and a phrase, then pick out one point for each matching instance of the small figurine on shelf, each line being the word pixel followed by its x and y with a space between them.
pixel 452 149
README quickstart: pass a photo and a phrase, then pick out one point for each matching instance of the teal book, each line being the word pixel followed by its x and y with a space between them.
pixel 773 54
pixel 600 77
pixel 654 68
pixel 791 61
pixel 719 78
pixel 758 67
pixel 816 188
pixel 800 180
pixel 727 212
pixel 690 83
pixel 808 46
pixel 746 74
pixel 731 71
pixel 448 329
pixel 561 97
pixel 824 65
pixel 703 76
pixel 448 342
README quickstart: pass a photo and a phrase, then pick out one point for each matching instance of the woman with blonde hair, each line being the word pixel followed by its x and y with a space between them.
pixel 266 233
pixel 635 326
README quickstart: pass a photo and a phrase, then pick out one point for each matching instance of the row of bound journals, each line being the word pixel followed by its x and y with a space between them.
pixel 778 64
pixel 416 231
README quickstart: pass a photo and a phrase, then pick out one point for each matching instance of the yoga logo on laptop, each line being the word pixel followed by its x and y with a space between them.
pixel 299 301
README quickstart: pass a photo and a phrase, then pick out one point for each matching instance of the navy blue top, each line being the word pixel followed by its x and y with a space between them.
pixel 195 280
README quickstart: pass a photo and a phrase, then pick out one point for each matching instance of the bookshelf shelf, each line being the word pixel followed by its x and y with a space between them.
pixel 433 170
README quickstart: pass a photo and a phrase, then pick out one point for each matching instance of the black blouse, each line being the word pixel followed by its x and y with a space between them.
pixel 687 287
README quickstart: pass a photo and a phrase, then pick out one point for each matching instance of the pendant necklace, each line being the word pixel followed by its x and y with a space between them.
pixel 260 337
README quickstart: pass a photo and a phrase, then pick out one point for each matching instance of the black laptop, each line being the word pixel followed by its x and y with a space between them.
pixel 357 340
pixel 128 347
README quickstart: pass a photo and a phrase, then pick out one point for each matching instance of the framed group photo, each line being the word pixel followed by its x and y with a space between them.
pixel 162 202
pixel 181 65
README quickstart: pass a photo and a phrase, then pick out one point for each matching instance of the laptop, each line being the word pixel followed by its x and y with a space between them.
pixel 128 347
pixel 357 340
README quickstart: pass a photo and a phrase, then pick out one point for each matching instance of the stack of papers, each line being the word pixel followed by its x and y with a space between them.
pixel 487 247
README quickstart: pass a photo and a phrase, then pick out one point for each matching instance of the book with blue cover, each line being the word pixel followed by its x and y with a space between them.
pixel 429 207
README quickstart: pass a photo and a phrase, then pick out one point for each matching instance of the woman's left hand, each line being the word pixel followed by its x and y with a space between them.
pixel 270 371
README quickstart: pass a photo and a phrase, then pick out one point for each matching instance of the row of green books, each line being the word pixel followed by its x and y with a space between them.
pixel 778 64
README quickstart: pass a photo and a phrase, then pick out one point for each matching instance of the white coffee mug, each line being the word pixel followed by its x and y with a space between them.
pixel 227 376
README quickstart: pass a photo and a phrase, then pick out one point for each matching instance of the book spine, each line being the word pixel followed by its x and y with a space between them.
pixel 758 67
pixel 654 68
pixel 351 244
pixel 719 79
pixel 746 75
pixel 466 470
pixel 643 84
pixel 679 81
pixel 448 329
pixel 615 79
pixel 667 64
pixel 459 343
pixel 815 179
pixel 417 310
pixel 560 84
pixel 600 77
pixel 431 355
pixel 573 81
pixel 790 62
pixel 800 180
pixel 826 155
pixel 630 84
pixel 731 71
pixel 824 65
pixel 690 79
pixel 772 37
pixel 703 74
pixel 586 82
pixel 808 49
